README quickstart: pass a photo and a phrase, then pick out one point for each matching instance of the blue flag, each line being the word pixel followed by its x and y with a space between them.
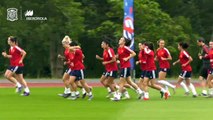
pixel 128 25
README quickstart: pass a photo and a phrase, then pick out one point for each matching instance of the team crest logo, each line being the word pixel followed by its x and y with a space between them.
pixel 128 31
pixel 128 27
pixel 12 14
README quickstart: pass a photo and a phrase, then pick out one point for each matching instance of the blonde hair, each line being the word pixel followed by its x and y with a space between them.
pixel 66 40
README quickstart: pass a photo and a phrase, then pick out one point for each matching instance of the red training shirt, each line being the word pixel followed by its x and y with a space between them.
pixel 184 57
pixel 15 52
pixel 107 56
pixel 124 52
pixel 150 62
pixel 165 54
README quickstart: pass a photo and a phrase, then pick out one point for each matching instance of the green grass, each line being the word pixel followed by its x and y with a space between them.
pixel 44 104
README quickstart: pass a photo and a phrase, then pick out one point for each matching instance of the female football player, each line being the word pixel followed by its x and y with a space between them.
pixel 14 72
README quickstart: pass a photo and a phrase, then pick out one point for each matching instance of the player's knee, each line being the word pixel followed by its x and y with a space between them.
pixel 7 76
pixel 145 84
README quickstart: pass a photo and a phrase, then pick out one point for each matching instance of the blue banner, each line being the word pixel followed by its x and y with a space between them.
pixel 128 25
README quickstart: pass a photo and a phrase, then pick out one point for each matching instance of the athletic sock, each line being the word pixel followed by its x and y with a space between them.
pixel 90 93
pixel 27 89
pixel 18 84
pixel 108 89
pixel 166 88
pixel 166 83
pixel 65 90
pixel 68 90
pixel 184 86
pixel 117 87
pixel 83 91
pixel 139 91
pixel 163 90
pixel 191 86
pixel 126 94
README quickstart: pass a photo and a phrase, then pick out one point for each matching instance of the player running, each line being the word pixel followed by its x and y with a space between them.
pixel 163 56
pixel 77 73
pixel 210 74
pixel 109 61
pixel 142 61
pixel 205 65
pixel 184 60
pixel 16 68
pixel 67 56
pixel 124 55
pixel 150 75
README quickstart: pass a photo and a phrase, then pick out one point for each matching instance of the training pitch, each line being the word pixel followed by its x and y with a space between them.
pixel 45 104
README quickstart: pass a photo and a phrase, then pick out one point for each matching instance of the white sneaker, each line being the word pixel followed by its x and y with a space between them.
pixel 19 89
pixel 72 98
pixel 115 99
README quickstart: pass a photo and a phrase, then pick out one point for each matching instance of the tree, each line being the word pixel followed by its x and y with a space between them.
pixel 42 39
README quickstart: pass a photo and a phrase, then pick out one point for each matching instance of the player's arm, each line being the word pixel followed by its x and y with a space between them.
pixel 147 50
pixel 4 54
pixel 169 57
pixel 23 53
pixel 132 54
pixel 190 60
pixel 205 49
pixel 99 58
pixel 156 58
pixel 77 47
pixel 111 61
pixel 72 48
pixel 207 56
pixel 61 57
pixel 174 63
pixel 138 62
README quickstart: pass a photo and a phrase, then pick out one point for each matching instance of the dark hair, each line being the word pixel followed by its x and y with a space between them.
pixel 184 45
pixel 201 39
pixel 107 42
pixel 127 41
pixel 73 43
pixel 13 39
pixel 150 45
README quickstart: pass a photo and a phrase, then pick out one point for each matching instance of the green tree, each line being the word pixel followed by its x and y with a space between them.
pixel 42 39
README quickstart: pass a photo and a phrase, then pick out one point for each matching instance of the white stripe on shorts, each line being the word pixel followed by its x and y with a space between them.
pixel 15 69
pixel 125 72
pixel 111 74
pixel 69 71
pixel 153 74
pixel 82 74
pixel 184 74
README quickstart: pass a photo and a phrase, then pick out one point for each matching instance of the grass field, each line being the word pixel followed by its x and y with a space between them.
pixel 44 104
